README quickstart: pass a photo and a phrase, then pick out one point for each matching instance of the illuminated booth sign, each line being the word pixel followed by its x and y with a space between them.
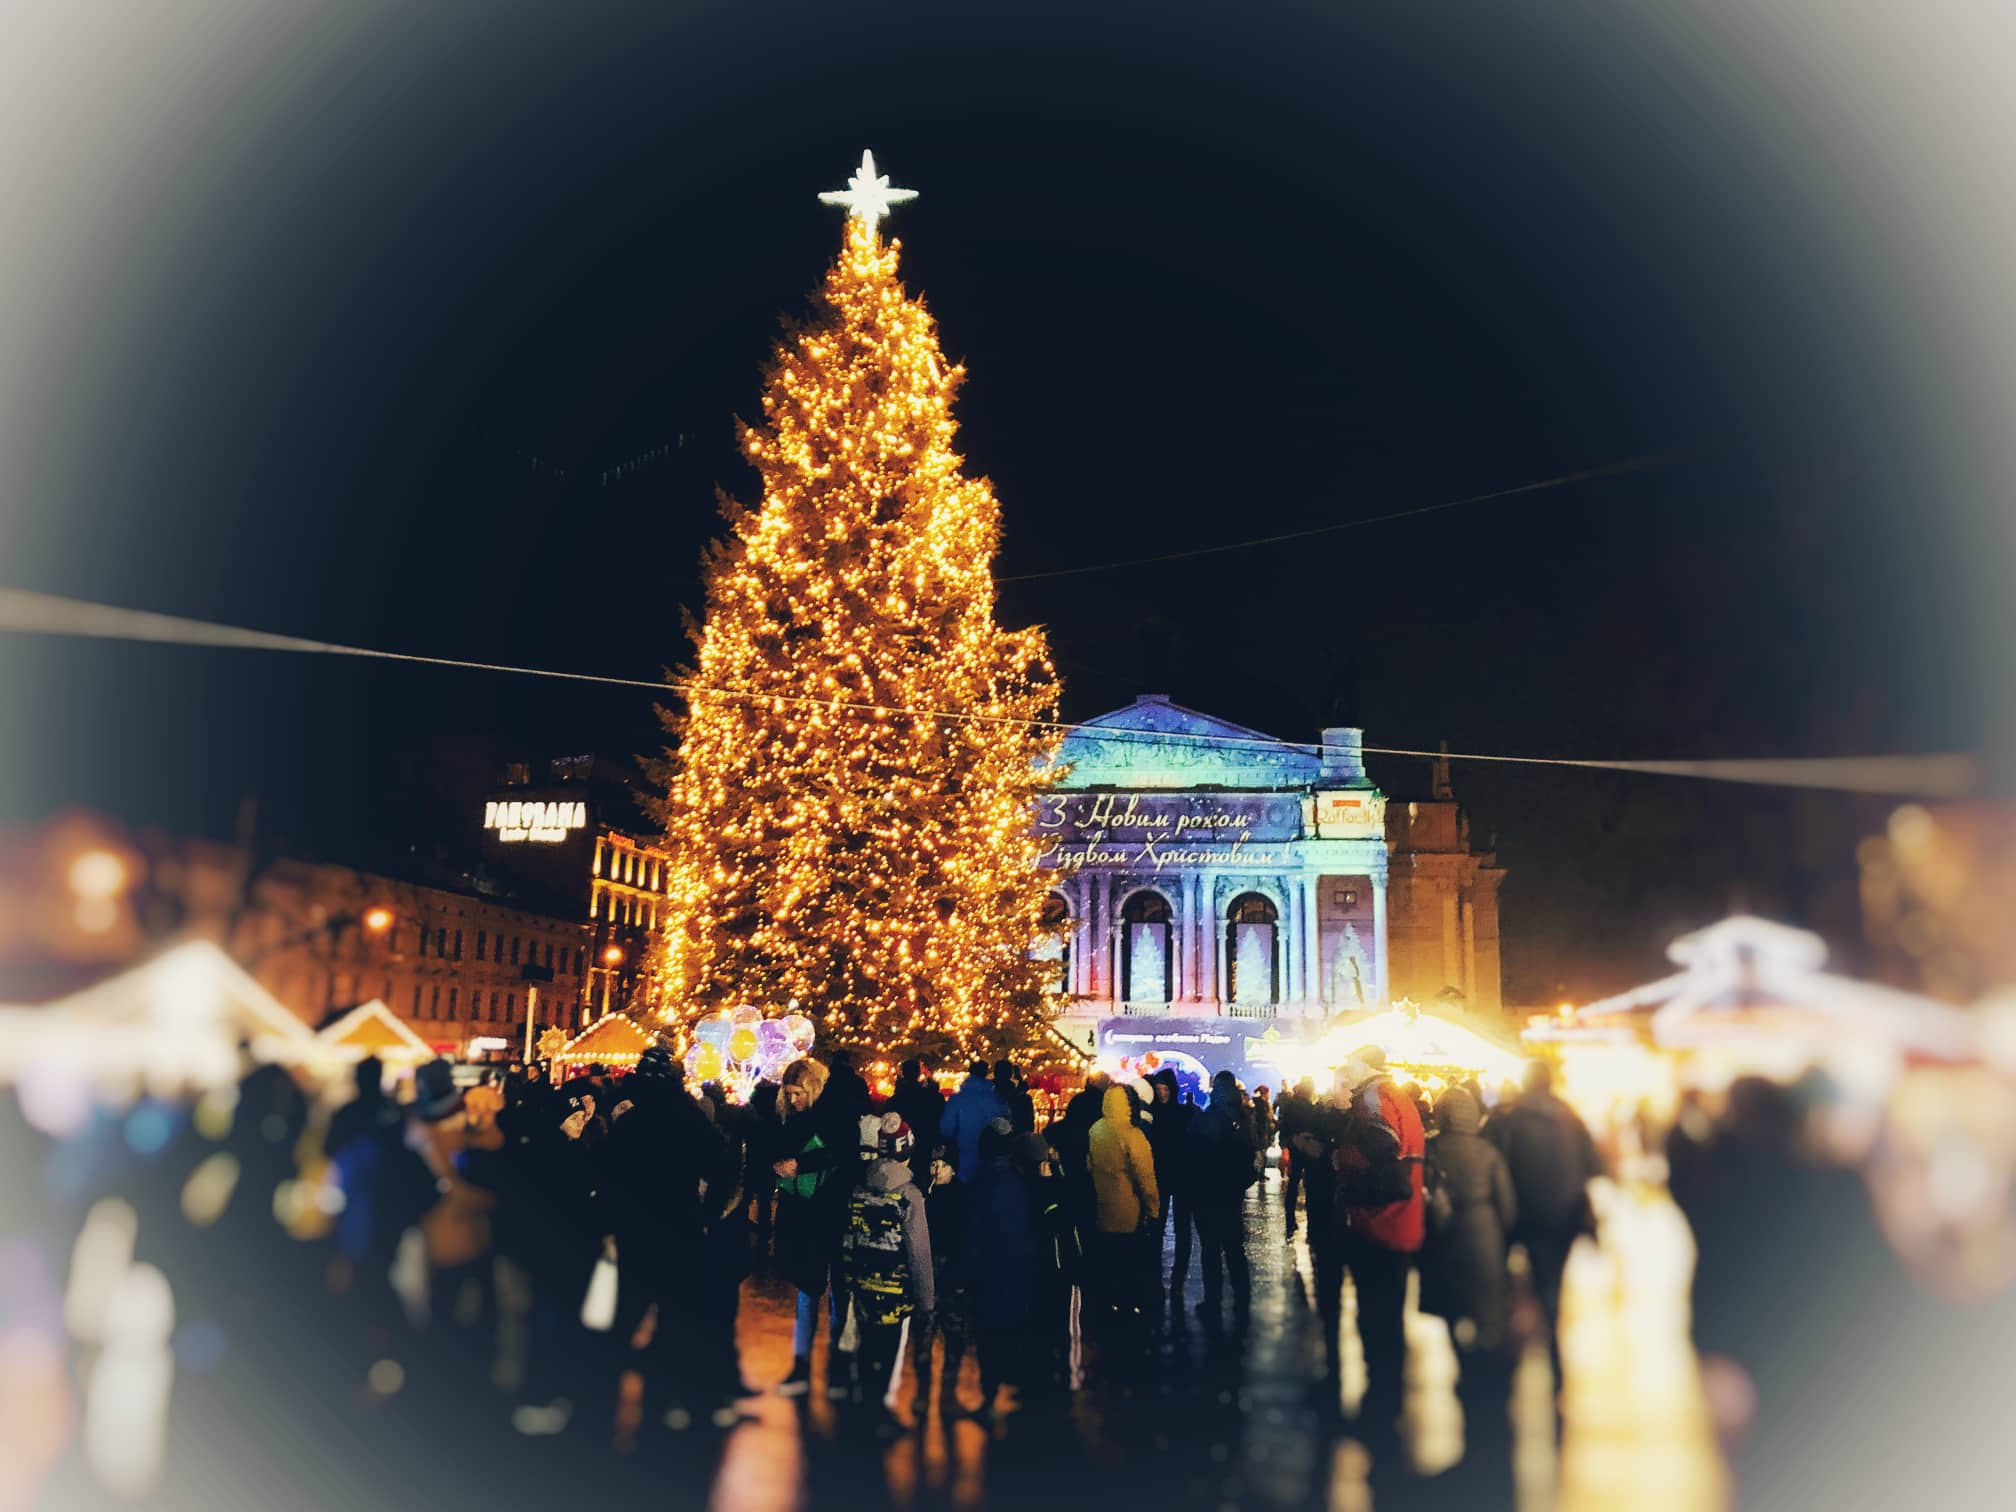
pixel 545 823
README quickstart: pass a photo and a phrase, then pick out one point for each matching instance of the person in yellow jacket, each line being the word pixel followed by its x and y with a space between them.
pixel 1128 1212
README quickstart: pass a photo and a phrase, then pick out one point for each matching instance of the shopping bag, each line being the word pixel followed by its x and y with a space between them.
pixel 598 1308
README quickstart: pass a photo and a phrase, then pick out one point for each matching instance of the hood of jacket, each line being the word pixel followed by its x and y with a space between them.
pixel 1224 1096
pixel 885 1175
pixel 1458 1113
pixel 1117 1104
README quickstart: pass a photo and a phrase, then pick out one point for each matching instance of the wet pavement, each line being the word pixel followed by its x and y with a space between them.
pixel 1213 1417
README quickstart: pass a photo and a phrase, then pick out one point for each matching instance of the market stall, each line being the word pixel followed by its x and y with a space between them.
pixel 373 1029
pixel 614 1040
pixel 1751 998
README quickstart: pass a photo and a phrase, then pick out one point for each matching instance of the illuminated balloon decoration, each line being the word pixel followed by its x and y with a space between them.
pixel 738 1047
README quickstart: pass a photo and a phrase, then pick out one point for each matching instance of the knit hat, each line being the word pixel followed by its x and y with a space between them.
pixel 435 1095
pixel 893 1141
pixel 656 1062
pixel 997 1139
pixel 1028 1151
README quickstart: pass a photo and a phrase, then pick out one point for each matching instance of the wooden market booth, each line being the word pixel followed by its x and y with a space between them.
pixel 615 1040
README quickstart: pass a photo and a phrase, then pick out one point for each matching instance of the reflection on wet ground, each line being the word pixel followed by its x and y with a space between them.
pixel 1215 1418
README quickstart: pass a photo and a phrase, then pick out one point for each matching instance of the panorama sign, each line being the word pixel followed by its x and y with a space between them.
pixel 542 823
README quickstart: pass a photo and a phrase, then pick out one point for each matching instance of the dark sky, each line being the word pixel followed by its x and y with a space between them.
pixel 412 296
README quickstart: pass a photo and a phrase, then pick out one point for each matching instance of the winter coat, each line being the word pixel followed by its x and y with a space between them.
pixel 1384 1125
pixel 923 1108
pixel 654 1162
pixel 948 1207
pixel 1263 1123
pixel 1168 1139
pixel 1002 1246
pixel 847 1090
pixel 809 1228
pixel 1463 1271
pixel 975 1105
pixel 857 1263
pixel 1220 1150
pixel 1551 1158
pixel 457 1227
pixel 1123 1167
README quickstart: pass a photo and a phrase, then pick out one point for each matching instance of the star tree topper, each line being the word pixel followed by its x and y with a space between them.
pixel 867 195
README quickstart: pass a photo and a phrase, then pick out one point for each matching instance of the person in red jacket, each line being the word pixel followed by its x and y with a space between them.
pixel 1381 1151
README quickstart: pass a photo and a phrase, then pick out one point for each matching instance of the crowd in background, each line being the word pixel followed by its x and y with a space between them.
pixel 519 1255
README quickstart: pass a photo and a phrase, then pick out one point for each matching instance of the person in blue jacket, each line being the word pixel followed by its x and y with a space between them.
pixel 975 1105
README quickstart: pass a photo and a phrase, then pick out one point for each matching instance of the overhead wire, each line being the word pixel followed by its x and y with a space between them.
pixel 1648 462
pixel 1931 775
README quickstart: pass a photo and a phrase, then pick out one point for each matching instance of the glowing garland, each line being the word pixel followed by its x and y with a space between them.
pixel 879 869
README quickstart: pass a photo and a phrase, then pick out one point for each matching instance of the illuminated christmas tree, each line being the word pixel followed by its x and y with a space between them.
pixel 831 845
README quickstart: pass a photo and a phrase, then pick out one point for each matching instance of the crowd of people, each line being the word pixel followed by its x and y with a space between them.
pixel 561 1254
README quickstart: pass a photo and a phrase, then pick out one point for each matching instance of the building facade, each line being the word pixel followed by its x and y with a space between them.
pixel 1205 869
pixel 454 966
pixel 571 848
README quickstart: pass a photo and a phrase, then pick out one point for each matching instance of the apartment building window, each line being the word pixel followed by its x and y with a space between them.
pixel 458 944
pixel 579 955
pixel 549 955
pixel 416 1000
pixel 453 993
pixel 493 1007
pixel 441 943
pixel 514 950
pixel 434 1006
pixel 482 944
pixel 510 1007
pixel 420 949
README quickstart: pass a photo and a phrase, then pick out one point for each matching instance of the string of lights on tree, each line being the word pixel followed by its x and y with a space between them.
pixel 879 870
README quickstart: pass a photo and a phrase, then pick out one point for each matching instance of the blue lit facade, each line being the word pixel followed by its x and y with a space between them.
pixel 1205 869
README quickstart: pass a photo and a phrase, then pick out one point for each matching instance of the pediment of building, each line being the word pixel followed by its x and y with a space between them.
pixel 1153 743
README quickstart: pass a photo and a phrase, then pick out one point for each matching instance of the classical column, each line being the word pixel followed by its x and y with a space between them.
pixel 1096 967
pixel 1312 929
pixel 1468 910
pixel 1284 934
pixel 1381 972
pixel 1074 971
pixel 1209 932
pixel 1298 990
pixel 1116 953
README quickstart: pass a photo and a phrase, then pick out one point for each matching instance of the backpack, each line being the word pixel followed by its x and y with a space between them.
pixel 1379 1184
pixel 875 1257
pixel 1382 1181
pixel 1439 1206
pixel 1067 1248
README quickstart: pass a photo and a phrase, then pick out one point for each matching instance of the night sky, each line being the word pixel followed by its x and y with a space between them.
pixel 402 307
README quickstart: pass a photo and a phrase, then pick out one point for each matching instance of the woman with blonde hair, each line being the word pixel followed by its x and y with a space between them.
pixel 815 1164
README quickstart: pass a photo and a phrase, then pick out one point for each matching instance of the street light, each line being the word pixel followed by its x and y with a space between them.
pixel 97 877
pixel 377 920
pixel 613 956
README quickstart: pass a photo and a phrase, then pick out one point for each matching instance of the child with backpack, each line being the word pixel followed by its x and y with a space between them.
pixel 885 1262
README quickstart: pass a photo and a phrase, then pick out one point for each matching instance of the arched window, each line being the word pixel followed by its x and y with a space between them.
pixel 1055 920
pixel 1145 948
pixel 1252 961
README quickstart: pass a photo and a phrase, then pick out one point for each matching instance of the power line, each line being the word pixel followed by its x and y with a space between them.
pixel 1650 462
pixel 1936 775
